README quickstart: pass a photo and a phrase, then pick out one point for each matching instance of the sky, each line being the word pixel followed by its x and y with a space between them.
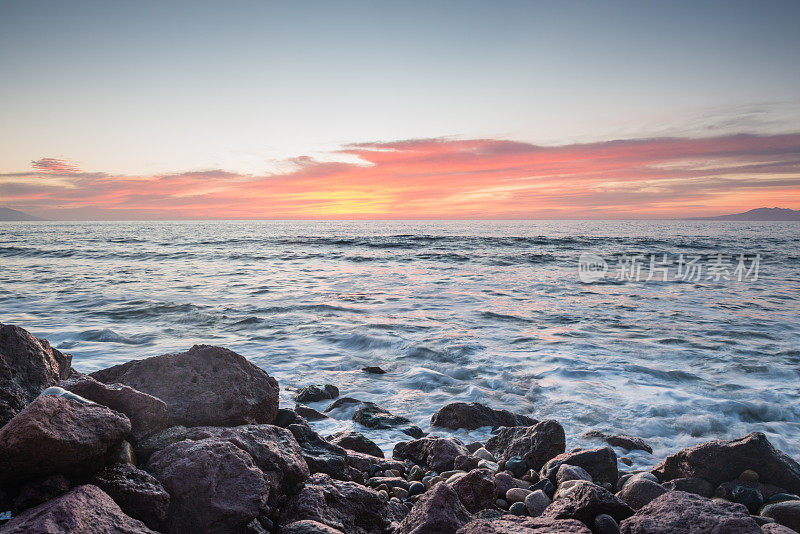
pixel 386 110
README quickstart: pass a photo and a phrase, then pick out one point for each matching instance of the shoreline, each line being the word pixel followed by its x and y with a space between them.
pixel 150 444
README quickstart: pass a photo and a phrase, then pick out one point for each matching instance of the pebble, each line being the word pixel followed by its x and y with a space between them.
pixel 416 473
pixel 627 461
pixel 546 486
pixel 605 524
pixel 399 492
pixel 416 488
pixel 780 497
pixel 383 487
pixel 750 497
pixel 518 508
pixel 384 495
pixel 517 494
pixel 447 474
pixel 536 503
pixel 749 476
pixel 491 466
pixel 502 503
pixel 433 481
pixel 483 454
pixel 517 466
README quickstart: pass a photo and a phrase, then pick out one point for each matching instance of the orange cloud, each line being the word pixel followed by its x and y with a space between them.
pixel 445 178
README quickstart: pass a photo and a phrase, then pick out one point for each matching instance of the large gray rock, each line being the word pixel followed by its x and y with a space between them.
pixel 322 456
pixel 83 510
pixel 786 513
pixel 639 492
pixel 475 415
pixel 205 385
pixel 345 506
pixel 719 461
pixel 678 512
pixel 27 367
pixel 509 524
pixel 476 490
pixel 316 393
pixel 623 441
pixel 434 452
pixel 137 493
pixel 373 416
pixel 56 435
pixel 362 462
pixel 355 441
pixel 147 414
pixel 600 463
pixel 586 500
pixel 214 486
pixel 438 511
pixel 535 444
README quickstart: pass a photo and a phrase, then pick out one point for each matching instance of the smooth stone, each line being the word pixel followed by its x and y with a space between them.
pixel 639 492
pixel 571 472
pixel 384 494
pixel 748 475
pixel 601 463
pixel 416 473
pixel 416 488
pixel 447 474
pixel 786 513
pixel 484 454
pixel 316 393
pixel 518 508
pixel 517 465
pixel 399 492
pixel 546 486
pixel 536 502
pixel 517 494
pixel 491 466
pixel 605 524
pixel 475 415
pixel 780 497
pixel 433 481
pixel 750 497
pixel 309 413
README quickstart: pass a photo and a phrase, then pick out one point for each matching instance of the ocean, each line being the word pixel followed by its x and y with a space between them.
pixel 491 311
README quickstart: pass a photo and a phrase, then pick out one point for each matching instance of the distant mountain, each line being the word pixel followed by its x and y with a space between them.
pixel 7 214
pixel 758 214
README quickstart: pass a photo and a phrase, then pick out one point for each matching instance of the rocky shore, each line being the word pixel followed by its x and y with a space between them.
pixel 195 442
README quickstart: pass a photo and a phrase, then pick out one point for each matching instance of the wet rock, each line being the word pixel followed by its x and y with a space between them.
pixel 508 524
pixel 27 366
pixel 41 490
pixel 476 490
pixel 681 512
pixel 600 463
pixel 546 486
pixel 416 488
pixel 517 494
pixel 571 472
pixel 436 453
pixel 475 415
pixel 285 417
pixel 345 506
pixel 56 435
pixel 748 496
pixel 517 508
pixel 719 461
pixel 622 441
pixel 517 465
pixel 585 501
pixel 85 509
pixel 537 502
pixel 466 463
pixel 355 441
pixel 363 462
pixel 205 385
pixel 214 486
pixel 373 370
pixel 309 413
pixel 786 513
pixel 323 456
pixel 343 402
pixel 439 511
pixel 698 486
pixel 535 444
pixel 309 527
pixel 147 414
pixel 605 524
pixel 639 492
pixel 726 490
pixel 373 416
pixel 316 393
pixel 137 493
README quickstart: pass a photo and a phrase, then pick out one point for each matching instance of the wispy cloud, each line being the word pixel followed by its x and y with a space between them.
pixel 445 178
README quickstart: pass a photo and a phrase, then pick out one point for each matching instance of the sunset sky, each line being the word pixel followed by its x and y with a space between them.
pixel 316 110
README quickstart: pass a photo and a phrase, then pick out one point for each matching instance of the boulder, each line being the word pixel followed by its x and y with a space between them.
pixel 307 526
pixel 83 510
pixel 363 462
pixel 160 440
pixel 308 413
pixel 465 463
pixel 137 493
pixel 475 415
pixel 55 435
pixel 600 463
pixel 205 385
pixel 41 490
pixel 584 501
pixel 27 367
pixel 355 441
pixel 537 502
pixel 686 513
pixel 535 444
pixel 623 441
pixel 285 417
pixel 775 528
pixel 509 524
pixel 373 416
pixel 344 506
pixel 639 492
pixel 476 490
pixel 147 414
pixel 727 490
pixel 316 393
pixel 214 486
pixel 571 472
pixel 436 453
pixel 786 513
pixel 698 486
pixel 438 511
pixel 719 461
pixel 322 456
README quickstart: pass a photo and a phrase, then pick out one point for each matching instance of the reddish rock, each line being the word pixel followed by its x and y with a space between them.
pixel 720 461
pixel 214 486
pixel 475 415
pixel 466 462
pixel 322 456
pixel 57 435
pixel 509 524
pixel 354 441
pixel 600 463
pixel 534 444
pixel 438 511
pixel 309 527
pixel 345 506
pixel 316 393
pixel 786 513
pixel 373 416
pixel 205 385
pixel 698 486
pixel 27 367
pixel 436 453
pixel 137 493
pixel 362 462
pixel 775 528
pixel 147 414
pixel 678 512
pixel 623 441
pixel 584 501
pixel 476 490
pixel 639 492
pixel 83 510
